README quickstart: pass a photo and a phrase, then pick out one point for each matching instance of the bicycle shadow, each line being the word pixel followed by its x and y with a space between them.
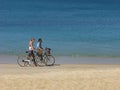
pixel 49 65
pixel 54 65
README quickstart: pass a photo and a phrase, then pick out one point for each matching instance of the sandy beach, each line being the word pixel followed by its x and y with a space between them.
pixel 83 36
pixel 60 77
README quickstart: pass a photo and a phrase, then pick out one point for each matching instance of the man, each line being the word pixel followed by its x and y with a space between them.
pixel 39 48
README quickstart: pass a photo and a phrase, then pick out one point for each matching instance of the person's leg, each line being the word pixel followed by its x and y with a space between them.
pixel 42 60
pixel 33 58
pixel 39 53
pixel 41 57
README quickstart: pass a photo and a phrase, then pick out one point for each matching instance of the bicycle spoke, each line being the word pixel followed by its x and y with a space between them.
pixel 50 60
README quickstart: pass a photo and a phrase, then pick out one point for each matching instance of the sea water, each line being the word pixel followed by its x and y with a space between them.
pixel 70 28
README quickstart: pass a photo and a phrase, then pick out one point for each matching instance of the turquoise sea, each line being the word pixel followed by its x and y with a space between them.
pixel 70 28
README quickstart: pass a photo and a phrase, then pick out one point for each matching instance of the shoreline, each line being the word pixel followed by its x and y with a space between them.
pixel 12 59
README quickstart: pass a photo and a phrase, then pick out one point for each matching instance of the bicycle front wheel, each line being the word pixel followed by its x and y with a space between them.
pixel 39 61
pixel 50 60
pixel 22 61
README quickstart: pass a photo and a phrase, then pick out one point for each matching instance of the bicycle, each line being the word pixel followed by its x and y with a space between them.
pixel 27 60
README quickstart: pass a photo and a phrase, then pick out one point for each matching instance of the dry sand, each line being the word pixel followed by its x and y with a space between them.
pixel 60 77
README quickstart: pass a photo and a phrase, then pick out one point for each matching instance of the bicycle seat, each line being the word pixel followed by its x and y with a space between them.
pixel 27 52
pixel 30 51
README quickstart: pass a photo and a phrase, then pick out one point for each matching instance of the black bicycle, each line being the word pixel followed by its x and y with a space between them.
pixel 27 60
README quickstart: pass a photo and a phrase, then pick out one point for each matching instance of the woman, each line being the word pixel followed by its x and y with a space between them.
pixel 31 49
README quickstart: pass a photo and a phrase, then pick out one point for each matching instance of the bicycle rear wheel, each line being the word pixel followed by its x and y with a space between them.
pixel 23 61
pixel 50 60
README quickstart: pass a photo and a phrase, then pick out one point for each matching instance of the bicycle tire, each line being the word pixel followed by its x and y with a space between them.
pixel 39 61
pixel 50 60
pixel 21 61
